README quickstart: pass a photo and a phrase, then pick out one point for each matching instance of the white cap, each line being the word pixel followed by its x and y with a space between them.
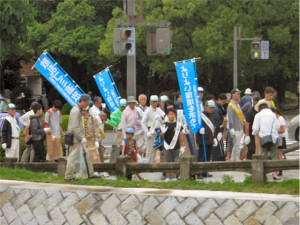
pixel 11 106
pixel 210 103
pixel 164 98
pixel 200 89
pixel 153 98
pixel 248 91
pixel 123 102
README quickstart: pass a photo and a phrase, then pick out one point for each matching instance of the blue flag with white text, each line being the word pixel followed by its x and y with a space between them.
pixel 108 89
pixel 56 75
pixel 188 83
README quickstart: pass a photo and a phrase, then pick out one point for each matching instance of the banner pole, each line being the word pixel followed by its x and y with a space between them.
pixel 204 148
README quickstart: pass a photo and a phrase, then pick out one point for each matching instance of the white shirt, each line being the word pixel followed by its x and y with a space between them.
pixel 25 118
pixel 95 111
pixel 282 122
pixel 127 119
pixel 263 123
pixel 15 129
pixel 149 118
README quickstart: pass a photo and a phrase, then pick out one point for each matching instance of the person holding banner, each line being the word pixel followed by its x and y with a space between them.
pixel 127 119
pixel 140 135
pixel 75 127
pixel 150 122
pixel 236 123
pixel 209 131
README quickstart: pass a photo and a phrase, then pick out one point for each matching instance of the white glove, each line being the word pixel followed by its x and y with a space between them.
pixel 215 144
pixel 53 138
pixel 247 140
pixel 97 144
pixel 4 146
pixel 232 132
pixel 47 130
pixel 83 141
pixel 202 131
pixel 219 136
pixel 182 149
pixel 149 134
pixel 157 117
pixel 164 129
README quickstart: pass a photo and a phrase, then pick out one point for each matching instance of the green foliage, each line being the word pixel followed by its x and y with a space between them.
pixel 227 179
pixel 66 109
pixel 65 121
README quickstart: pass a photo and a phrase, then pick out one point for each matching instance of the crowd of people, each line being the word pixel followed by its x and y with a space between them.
pixel 158 132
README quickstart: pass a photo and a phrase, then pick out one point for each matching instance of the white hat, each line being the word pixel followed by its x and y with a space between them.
pixel 123 102
pixel 131 99
pixel 164 98
pixel 200 89
pixel 248 91
pixel 11 106
pixel 261 102
pixel 210 104
pixel 153 98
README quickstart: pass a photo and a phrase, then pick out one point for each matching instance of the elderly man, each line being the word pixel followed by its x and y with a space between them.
pixel 95 109
pixel 151 121
pixel 246 98
pixel 236 123
pixel 11 134
pixel 128 120
pixel 140 135
pixel 75 127
pixel 247 106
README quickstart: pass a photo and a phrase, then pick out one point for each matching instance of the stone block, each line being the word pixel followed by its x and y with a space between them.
pixel 239 201
pixel 116 218
pixel 226 209
pixel 280 204
pixel 17 190
pixel 57 217
pixel 33 222
pixel 160 198
pixel 9 212
pixel 244 211
pixel 213 220
pixel 68 202
pixel 251 221
pixel 25 214
pixel 129 204
pixel 232 220
pixel 149 204
pixel 82 194
pixel 193 219
pixel 3 220
pixel 186 206
pixel 52 201
pixel 85 204
pixel 37 200
pixel 104 196
pixel 201 200
pixel 154 218
pixel 73 216
pixel 21 198
pixel 206 208
pixel 6 196
pixel 265 211
pixel 174 219
pixel 167 206
pixel 41 214
pixel 51 192
pixel 141 198
pixel 259 203
pixel 34 191
pixel 287 211
pixel 109 204
pixel 2 189
pixel 17 221
pixel 134 217
pixel 96 217
pixel 122 197
pixel 273 220
pixel 220 201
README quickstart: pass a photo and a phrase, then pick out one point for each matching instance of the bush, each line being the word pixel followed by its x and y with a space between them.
pixel 65 121
pixel 66 109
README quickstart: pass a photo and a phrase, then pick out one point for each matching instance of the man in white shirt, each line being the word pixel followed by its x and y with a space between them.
pixel 127 119
pixel 140 135
pixel 152 120
pixel 11 134
pixel 95 109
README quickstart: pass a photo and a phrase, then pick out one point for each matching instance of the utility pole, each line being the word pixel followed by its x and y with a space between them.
pixel 237 37
pixel 131 59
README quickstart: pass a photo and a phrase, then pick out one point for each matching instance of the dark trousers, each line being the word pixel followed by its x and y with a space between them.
pixel 251 147
pixel 39 150
pixel 201 157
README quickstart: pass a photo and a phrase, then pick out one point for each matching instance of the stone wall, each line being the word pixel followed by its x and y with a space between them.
pixel 36 203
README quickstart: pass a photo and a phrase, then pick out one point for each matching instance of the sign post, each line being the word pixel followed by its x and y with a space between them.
pixel 265 50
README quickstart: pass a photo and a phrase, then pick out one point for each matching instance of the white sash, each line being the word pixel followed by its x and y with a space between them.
pixel 208 123
pixel 175 137
pixel 13 121
pixel 140 111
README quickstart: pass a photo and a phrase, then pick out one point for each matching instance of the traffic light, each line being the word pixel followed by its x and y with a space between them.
pixel 255 50
pixel 159 41
pixel 121 41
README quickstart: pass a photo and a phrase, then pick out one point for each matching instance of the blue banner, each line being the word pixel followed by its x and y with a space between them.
pixel 56 75
pixel 108 89
pixel 188 83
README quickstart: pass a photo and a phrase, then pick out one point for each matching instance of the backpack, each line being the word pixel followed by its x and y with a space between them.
pixel 127 145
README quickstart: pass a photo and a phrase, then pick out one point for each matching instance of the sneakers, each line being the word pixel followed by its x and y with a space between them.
pixel 70 179
pixel 167 179
pixel 95 177
pixel 104 174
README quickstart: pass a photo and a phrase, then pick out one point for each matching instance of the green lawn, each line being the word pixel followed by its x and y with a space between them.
pixel 285 187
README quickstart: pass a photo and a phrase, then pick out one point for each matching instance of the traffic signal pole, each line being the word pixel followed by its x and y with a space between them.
pixel 237 37
pixel 131 59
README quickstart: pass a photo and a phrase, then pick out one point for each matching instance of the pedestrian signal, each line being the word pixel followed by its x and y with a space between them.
pixel 255 50
pixel 121 42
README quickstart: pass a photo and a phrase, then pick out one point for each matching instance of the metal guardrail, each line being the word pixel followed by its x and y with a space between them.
pixel 187 167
